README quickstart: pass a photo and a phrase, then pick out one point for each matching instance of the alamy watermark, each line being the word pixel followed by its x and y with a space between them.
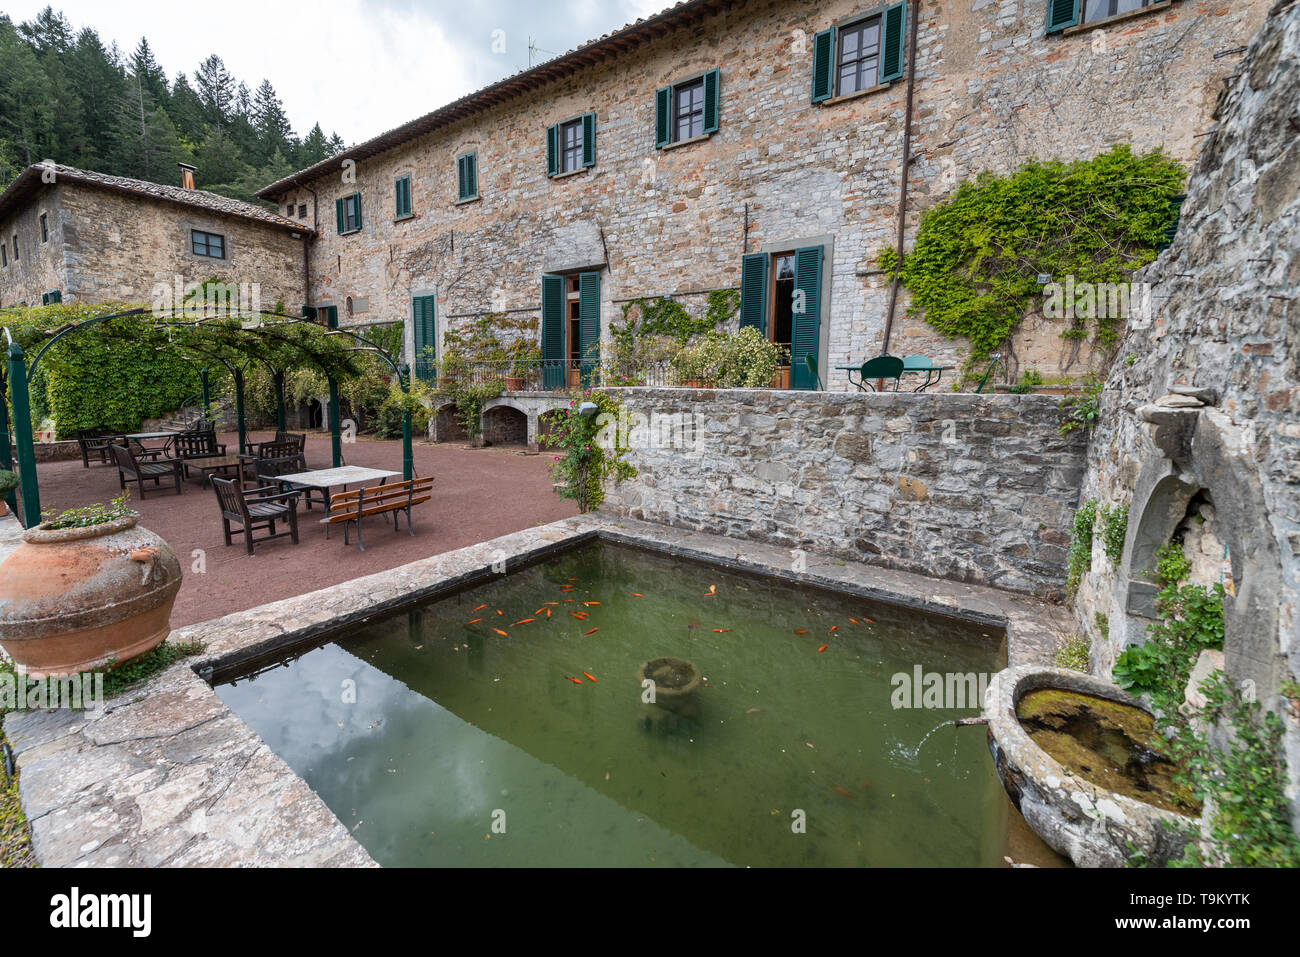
pixel 935 690
pixel 680 431
pixel 205 300
pixel 19 692
pixel 1129 301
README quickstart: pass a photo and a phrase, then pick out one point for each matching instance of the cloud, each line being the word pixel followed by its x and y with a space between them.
pixel 358 67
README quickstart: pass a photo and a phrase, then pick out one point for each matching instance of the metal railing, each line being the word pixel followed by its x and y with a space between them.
pixel 543 375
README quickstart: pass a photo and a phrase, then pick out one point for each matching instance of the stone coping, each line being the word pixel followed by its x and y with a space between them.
pixel 172 777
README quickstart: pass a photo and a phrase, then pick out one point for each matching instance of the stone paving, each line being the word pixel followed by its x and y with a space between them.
pixel 170 776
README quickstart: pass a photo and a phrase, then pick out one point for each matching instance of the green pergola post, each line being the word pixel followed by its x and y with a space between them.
pixel 239 407
pixel 203 391
pixel 278 378
pixel 336 440
pixel 6 451
pixel 22 411
pixel 408 461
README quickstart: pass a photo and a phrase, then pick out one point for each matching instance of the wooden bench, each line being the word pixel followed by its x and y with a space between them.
pixel 346 508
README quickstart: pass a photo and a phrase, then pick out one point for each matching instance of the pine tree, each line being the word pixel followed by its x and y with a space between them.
pixel 269 121
pixel 314 148
pixel 186 110
pixel 148 74
pixel 26 102
pixel 216 89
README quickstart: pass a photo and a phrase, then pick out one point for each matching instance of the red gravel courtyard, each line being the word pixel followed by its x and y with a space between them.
pixel 478 494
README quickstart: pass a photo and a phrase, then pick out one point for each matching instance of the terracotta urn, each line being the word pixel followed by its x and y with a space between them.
pixel 76 599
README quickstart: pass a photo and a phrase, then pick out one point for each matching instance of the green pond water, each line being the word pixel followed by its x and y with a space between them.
pixel 440 742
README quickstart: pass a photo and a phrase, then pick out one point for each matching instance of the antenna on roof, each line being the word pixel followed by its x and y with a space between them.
pixel 533 48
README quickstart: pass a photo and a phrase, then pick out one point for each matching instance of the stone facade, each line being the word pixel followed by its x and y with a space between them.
pixel 110 245
pixel 991 91
pixel 1222 460
pixel 974 488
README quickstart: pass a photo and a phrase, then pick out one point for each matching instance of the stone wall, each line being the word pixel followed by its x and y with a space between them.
pixel 992 91
pixel 974 488
pixel 41 266
pixel 1221 459
pixel 107 246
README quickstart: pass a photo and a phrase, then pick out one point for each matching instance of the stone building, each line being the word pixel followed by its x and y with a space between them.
pixel 1199 436
pixel 754 143
pixel 71 234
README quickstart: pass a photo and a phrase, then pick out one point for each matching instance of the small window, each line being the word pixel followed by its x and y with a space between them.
pixel 688 110
pixel 1105 9
pixel 4 255
pixel 858 58
pixel 570 146
pixel 302 210
pixel 467 177
pixel 348 213
pixel 402 195
pixel 15 247
pixel 212 245
pixel 45 229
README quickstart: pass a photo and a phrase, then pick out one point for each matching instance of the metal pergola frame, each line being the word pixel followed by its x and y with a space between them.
pixel 227 346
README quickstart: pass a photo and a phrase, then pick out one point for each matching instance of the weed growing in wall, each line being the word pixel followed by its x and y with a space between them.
pixel 1079 562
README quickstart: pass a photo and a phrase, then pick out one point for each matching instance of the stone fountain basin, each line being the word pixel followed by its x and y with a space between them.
pixel 1092 826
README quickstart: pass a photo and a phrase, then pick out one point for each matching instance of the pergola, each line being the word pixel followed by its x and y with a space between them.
pixel 233 340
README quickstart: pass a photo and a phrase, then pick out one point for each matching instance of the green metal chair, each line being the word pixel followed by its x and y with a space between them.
pixel 881 367
pixel 921 363
pixel 811 363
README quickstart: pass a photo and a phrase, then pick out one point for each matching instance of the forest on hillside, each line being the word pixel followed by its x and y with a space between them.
pixel 66 96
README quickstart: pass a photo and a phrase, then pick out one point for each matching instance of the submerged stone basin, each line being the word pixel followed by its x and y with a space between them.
pixel 1093 825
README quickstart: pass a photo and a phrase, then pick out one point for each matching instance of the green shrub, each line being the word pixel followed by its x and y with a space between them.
pixel 1079 562
pixel 1074 653
pixel 743 360
pixel 1114 529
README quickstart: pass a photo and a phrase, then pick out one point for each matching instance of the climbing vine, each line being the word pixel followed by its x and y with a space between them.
pixel 656 330
pixel 1079 562
pixel 975 268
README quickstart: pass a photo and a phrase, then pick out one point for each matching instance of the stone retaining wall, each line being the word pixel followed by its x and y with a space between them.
pixel 977 488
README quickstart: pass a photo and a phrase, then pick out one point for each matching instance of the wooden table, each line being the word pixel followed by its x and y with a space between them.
pixel 215 463
pixel 327 479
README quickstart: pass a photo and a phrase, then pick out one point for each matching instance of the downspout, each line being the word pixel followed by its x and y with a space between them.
pixel 306 247
pixel 914 11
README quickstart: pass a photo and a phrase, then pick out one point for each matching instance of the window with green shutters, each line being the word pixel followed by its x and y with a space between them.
pixel 1061 14
pixel 467 177
pixel 402 197
pixel 859 55
pixel 687 110
pixel 781 297
pixel 570 329
pixel 347 213
pixel 51 297
pixel 424 319
pixel 1068 13
pixel 571 145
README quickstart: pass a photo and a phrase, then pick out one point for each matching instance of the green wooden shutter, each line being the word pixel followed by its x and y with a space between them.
pixel 338 215
pixel 753 291
pixel 552 150
pixel 893 46
pixel 663 117
pixel 402 194
pixel 45 299
pixel 461 179
pixel 356 205
pixel 823 76
pixel 424 316
pixel 471 165
pixel 589 326
pixel 589 139
pixel 57 296
pixel 1061 14
pixel 553 364
pixel 807 322
pixel 712 87
pixel 331 314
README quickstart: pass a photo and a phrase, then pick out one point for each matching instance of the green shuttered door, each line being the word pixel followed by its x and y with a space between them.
pixel 753 291
pixel 423 314
pixel 553 332
pixel 589 326
pixel 807 315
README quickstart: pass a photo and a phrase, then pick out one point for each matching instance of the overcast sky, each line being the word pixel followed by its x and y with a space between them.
pixel 359 67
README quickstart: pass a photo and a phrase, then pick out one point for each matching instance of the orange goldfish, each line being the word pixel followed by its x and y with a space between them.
pixel 590 675
pixel 524 621
pixel 500 632
pixel 822 648
pixel 474 621
pixel 592 632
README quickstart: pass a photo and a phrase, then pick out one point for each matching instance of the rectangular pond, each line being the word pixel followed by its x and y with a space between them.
pixel 506 724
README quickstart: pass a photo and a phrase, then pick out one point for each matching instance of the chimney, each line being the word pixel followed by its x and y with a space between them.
pixel 187 175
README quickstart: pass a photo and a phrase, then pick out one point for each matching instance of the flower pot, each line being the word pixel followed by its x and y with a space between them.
pixel 75 599
pixel 782 378
pixel 514 383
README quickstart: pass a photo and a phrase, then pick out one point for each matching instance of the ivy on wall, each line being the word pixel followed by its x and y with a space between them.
pixel 656 330
pixel 975 267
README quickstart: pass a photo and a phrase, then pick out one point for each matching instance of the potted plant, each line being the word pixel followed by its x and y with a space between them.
pixel 8 483
pixel 695 365
pixel 86 589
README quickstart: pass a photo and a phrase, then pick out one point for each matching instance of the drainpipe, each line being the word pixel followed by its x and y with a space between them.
pixel 914 14
pixel 306 246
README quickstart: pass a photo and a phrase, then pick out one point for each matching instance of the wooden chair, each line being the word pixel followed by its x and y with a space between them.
pixel 94 442
pixel 132 469
pixel 347 508
pixel 256 508
pixel 197 444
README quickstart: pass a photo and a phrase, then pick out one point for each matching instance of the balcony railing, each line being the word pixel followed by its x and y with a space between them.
pixel 543 375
